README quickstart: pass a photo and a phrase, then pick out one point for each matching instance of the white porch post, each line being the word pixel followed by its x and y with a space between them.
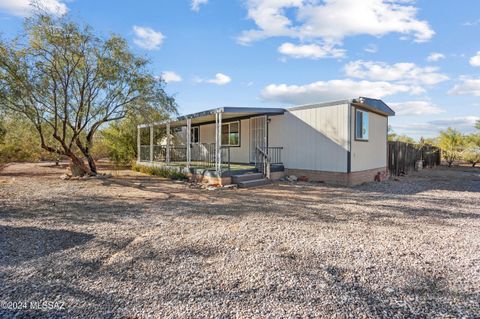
pixel 218 141
pixel 139 141
pixel 151 142
pixel 189 141
pixel 167 155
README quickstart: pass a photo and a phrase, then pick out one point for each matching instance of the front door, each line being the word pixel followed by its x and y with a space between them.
pixel 258 136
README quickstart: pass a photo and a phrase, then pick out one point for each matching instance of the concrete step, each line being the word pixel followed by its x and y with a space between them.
pixel 254 182
pixel 246 177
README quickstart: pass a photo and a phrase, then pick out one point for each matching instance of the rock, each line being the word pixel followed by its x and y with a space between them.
pixel 211 188
pixel 65 177
pixel 292 178
pixel 231 186
pixel 303 179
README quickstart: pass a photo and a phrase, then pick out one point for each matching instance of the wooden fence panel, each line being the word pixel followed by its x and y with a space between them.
pixel 403 156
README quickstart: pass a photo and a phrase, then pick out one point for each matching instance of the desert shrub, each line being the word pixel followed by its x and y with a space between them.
pixel 120 138
pixel 451 142
pixel 471 155
pixel 158 171
pixel 19 142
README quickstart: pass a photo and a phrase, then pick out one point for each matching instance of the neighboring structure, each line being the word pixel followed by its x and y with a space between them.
pixel 342 142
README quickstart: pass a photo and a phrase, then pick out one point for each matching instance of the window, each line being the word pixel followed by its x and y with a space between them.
pixel 195 135
pixel 361 125
pixel 231 134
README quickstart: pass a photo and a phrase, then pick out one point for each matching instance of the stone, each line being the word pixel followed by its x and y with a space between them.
pixel 292 178
pixel 302 179
pixel 65 177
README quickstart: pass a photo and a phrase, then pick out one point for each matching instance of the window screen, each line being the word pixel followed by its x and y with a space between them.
pixel 361 125
pixel 231 134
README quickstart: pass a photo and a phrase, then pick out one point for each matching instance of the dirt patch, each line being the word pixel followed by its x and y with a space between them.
pixel 141 246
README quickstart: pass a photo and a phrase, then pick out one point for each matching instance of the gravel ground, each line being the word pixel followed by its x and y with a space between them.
pixel 134 246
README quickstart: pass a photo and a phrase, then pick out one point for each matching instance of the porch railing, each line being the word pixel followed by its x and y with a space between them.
pixel 202 155
pixel 275 154
pixel 265 157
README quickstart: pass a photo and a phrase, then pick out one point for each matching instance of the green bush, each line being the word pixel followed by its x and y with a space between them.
pixel 471 155
pixel 19 142
pixel 158 171
pixel 119 139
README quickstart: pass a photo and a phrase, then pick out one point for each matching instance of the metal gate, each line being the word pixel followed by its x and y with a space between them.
pixel 258 136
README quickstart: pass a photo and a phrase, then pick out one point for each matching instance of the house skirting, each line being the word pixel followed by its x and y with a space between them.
pixel 211 177
pixel 338 178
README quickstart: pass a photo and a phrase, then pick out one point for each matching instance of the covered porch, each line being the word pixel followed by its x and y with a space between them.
pixel 219 142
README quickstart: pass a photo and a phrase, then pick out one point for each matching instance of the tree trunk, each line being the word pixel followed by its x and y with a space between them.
pixel 92 165
pixel 78 167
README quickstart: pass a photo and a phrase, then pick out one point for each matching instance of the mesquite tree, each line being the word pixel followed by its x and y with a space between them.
pixel 69 82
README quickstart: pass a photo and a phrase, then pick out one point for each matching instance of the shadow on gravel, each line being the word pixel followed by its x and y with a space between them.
pixel 423 296
pixel 76 210
pixel 19 244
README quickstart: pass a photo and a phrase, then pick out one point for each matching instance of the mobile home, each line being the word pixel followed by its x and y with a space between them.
pixel 341 142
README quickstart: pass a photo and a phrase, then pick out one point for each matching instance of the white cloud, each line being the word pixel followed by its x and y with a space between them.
pixel 435 56
pixel 24 8
pixel 219 79
pixel 331 21
pixel 401 72
pixel 333 90
pixel 170 76
pixel 311 51
pixel 467 86
pixel 195 5
pixel 465 124
pixel 415 108
pixel 371 48
pixel 471 23
pixel 147 38
pixel 460 121
pixel 475 60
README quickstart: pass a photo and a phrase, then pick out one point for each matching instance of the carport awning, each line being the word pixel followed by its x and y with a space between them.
pixel 227 113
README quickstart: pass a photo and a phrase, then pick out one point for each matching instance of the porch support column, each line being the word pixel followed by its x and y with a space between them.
pixel 218 142
pixel 139 141
pixel 189 141
pixel 167 155
pixel 151 143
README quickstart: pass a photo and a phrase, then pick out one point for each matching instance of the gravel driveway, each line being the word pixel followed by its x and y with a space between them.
pixel 116 249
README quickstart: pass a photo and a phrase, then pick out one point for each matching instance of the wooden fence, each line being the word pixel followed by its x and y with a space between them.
pixel 403 156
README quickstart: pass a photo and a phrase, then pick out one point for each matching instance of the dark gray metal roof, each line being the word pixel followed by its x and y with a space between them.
pixel 375 104
pixel 228 109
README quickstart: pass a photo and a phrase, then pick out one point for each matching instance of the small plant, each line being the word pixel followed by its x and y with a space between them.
pixel 158 171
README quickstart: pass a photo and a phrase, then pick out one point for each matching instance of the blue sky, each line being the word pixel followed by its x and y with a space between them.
pixel 421 57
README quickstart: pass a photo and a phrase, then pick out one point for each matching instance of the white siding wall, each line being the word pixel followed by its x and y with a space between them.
pixel 313 138
pixel 237 154
pixel 373 153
